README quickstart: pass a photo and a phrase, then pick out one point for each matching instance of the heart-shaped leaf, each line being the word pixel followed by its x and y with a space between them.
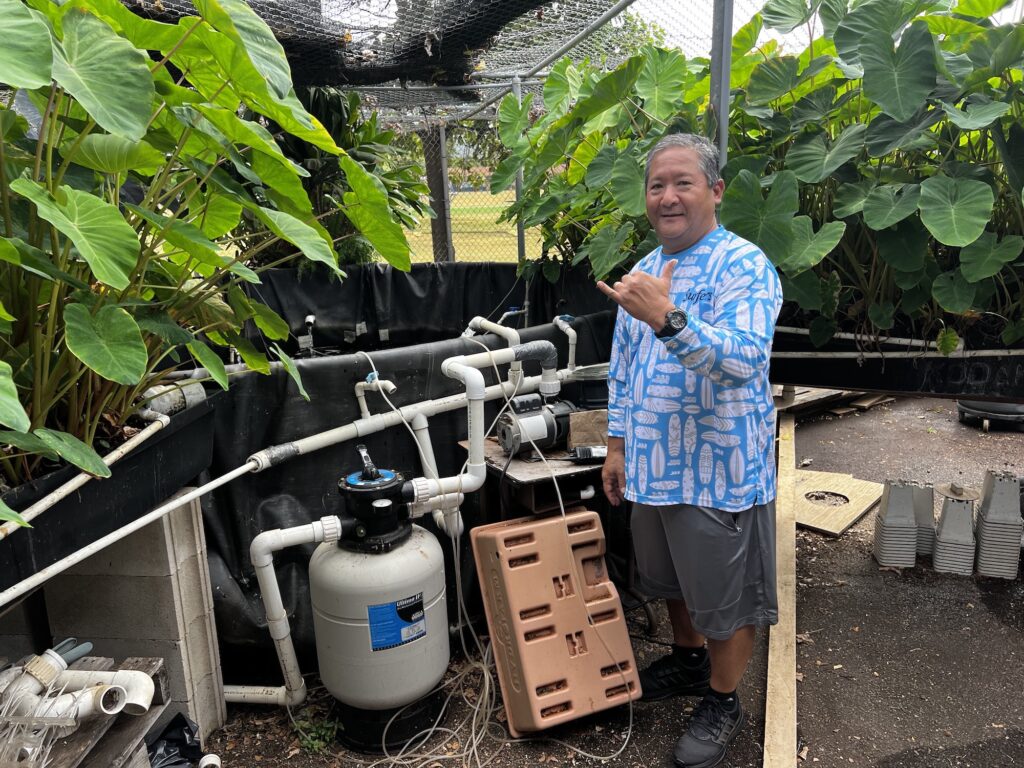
pixel 899 79
pixel 513 119
pixel 627 184
pixel 810 247
pixel 882 315
pixel 74 451
pixel 787 15
pixel 804 289
pixel 772 78
pixel 822 329
pixel 108 342
pixel 661 82
pixel 976 116
pixel 813 161
pixel 108 153
pixel 979 9
pixel 953 292
pixel 849 199
pixel 97 229
pixel 26 56
pixel 599 172
pixel 605 249
pixel 947 341
pixel 904 247
pixel 561 86
pixel 955 210
pixel 108 76
pixel 766 222
pixel 886 134
pixel 12 413
pixel 986 256
pixel 367 207
pixel 889 204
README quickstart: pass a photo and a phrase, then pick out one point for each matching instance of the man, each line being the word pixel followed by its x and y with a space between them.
pixel 691 428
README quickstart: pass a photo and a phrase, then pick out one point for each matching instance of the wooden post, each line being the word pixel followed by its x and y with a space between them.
pixel 780 746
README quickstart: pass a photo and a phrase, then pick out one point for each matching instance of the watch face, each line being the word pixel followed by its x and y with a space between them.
pixel 677 320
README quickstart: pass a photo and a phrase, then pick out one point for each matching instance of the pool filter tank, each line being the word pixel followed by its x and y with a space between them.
pixel 379 613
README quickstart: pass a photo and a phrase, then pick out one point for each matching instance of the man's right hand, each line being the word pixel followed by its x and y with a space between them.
pixel 613 473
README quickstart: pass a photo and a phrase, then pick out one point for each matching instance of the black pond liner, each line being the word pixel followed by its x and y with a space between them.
pixel 139 482
pixel 991 376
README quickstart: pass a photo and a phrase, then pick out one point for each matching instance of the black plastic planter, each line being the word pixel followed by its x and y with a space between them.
pixel 139 482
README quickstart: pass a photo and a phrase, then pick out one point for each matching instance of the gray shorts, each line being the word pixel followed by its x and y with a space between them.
pixel 721 563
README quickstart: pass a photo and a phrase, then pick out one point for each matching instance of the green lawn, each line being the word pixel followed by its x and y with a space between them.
pixel 476 235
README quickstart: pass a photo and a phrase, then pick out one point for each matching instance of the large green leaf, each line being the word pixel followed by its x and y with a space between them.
pixel 889 204
pixel 787 15
pixel 108 342
pixel 886 134
pixel 881 315
pixel 12 413
pixel 561 86
pixel 955 210
pixel 627 183
pixel 904 247
pixel 661 80
pixel 215 214
pixel 301 235
pixel 181 234
pixel 100 234
pixel 268 321
pixel 745 38
pixel 766 222
pixel 810 247
pixel 804 289
pixel 367 207
pixel 108 76
pixel 210 361
pixel 109 153
pixel 849 199
pixel 599 172
pixel 605 249
pixel 772 78
pixel 582 157
pixel 986 256
pixel 980 9
pixel 812 161
pixel 875 18
pixel 513 119
pixel 26 57
pixel 976 115
pixel 953 292
pixel 74 451
pixel 899 79
pixel 20 253
pixel 609 91
pixel 28 443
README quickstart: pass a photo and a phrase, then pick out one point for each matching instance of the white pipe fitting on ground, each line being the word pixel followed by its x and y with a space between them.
pixel 138 686
pixel 261 552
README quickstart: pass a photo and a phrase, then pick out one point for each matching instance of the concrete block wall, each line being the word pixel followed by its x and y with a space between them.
pixel 150 595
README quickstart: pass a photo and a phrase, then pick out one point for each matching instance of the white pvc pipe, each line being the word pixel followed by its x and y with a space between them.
pixel 446 515
pixel 511 335
pixel 95 700
pixel 137 685
pixel 40 577
pixel 159 421
pixel 261 552
pixel 562 323
pixel 372 384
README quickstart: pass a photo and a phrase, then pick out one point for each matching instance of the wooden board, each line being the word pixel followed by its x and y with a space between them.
pixel 809 400
pixel 870 401
pixel 780 698
pixel 833 521
pixel 523 472
pixel 69 752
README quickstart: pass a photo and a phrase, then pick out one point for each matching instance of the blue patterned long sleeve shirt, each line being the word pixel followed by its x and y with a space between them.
pixel 696 409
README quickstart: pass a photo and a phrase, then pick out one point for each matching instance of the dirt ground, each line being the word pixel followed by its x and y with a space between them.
pixel 912 669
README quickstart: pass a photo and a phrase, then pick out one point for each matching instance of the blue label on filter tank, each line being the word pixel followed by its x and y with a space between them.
pixel 398 623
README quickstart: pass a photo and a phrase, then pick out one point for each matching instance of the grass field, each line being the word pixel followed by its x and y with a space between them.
pixel 476 235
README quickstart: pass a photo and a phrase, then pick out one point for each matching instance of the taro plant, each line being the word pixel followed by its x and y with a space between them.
pixel 125 169
pixel 880 168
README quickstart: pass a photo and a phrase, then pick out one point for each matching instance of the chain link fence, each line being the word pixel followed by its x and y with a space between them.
pixel 471 149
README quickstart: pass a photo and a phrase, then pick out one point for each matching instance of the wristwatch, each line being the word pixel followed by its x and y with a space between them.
pixel 675 321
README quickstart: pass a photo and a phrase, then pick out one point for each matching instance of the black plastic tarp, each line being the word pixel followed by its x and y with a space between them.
pixel 268 410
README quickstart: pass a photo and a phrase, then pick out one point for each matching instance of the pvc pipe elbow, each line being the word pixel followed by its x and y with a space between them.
pixel 473 380
pixel 137 686
pixel 483 324
pixel 450 521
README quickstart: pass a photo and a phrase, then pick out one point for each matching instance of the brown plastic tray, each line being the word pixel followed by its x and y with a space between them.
pixel 557 628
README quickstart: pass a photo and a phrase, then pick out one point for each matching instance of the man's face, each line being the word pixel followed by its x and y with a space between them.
pixel 680 204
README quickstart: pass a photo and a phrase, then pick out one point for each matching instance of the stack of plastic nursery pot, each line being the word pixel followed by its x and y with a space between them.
pixel 954 539
pixel 895 542
pixel 924 514
pixel 999 526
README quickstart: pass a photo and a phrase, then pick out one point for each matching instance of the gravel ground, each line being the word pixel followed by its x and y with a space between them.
pixel 911 669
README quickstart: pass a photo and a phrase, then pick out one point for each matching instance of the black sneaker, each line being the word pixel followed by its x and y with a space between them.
pixel 712 726
pixel 681 673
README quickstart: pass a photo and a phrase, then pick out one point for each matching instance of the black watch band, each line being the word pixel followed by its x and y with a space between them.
pixel 675 321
